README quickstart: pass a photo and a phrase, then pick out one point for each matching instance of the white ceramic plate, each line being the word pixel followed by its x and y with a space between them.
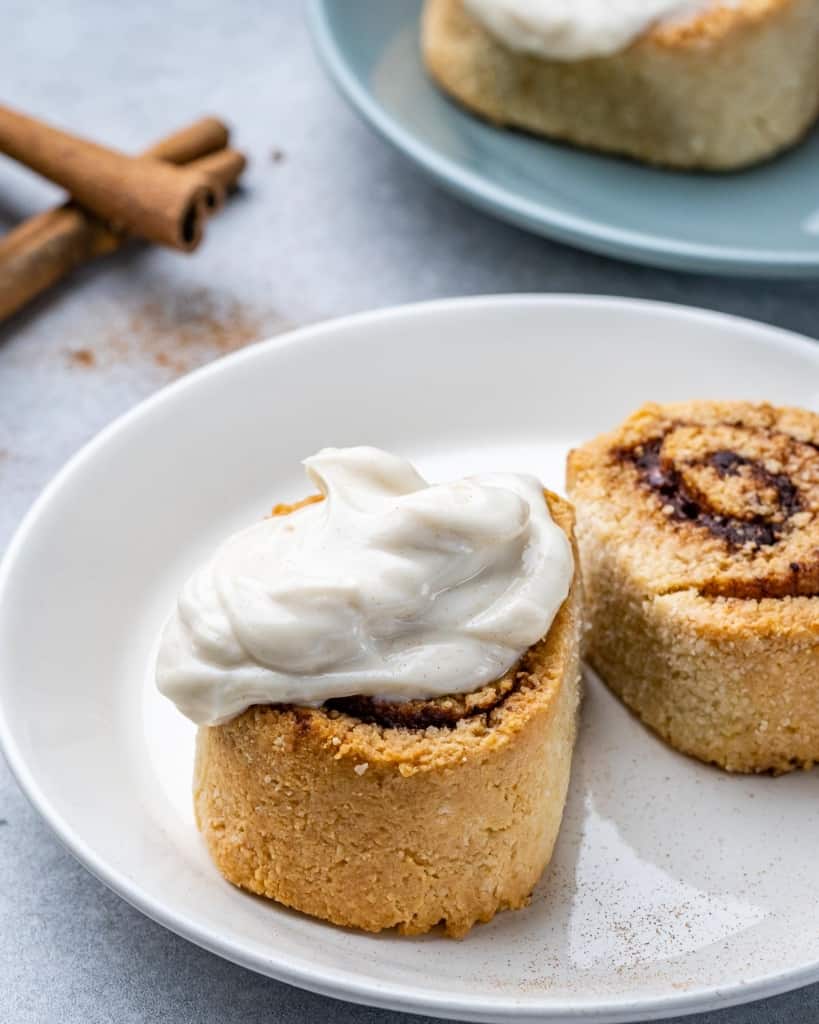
pixel 674 887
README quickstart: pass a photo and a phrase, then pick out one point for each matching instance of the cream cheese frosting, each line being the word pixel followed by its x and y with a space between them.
pixel 390 587
pixel 579 29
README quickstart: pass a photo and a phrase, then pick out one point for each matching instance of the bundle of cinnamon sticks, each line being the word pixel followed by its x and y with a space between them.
pixel 165 196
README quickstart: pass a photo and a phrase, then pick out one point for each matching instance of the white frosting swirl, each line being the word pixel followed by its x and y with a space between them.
pixel 578 29
pixel 389 587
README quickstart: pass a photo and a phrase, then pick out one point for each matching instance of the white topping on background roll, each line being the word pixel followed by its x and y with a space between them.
pixel 578 29
pixel 390 587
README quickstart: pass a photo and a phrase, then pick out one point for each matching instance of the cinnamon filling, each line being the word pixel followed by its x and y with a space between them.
pixel 753 489
pixel 686 505
pixel 441 712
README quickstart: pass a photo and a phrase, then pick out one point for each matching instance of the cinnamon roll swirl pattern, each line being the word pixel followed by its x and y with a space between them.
pixel 698 526
pixel 749 484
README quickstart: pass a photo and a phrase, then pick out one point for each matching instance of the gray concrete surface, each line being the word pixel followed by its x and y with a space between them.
pixel 331 221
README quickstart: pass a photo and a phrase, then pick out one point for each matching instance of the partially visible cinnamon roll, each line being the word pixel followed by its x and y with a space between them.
pixel 711 85
pixel 698 528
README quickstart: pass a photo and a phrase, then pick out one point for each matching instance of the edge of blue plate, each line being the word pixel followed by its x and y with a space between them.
pixel 541 218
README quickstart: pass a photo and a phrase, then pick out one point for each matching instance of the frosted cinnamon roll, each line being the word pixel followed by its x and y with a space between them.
pixel 698 528
pixel 386 678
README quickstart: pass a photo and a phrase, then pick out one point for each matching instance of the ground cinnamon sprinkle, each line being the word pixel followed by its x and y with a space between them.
pixel 81 357
pixel 180 330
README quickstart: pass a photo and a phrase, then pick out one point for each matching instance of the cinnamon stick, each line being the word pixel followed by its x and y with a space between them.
pixel 223 170
pixel 207 135
pixel 46 248
pixel 140 195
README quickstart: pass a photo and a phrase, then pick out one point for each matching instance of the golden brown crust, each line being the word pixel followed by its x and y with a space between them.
pixel 726 89
pixel 374 826
pixel 714 24
pixel 698 526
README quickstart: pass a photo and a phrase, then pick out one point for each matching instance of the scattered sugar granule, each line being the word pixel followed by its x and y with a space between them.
pixel 361 768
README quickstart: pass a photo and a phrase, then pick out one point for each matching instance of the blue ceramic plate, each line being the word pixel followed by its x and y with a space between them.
pixel 764 221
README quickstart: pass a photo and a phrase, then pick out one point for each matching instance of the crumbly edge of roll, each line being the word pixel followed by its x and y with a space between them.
pixel 728 684
pixel 700 94
pixel 377 827
pixel 729 680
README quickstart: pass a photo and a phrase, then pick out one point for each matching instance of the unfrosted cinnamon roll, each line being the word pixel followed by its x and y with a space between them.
pixel 698 528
